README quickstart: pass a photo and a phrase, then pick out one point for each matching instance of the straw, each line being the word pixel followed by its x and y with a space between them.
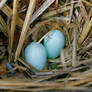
pixel 13 23
pixel 74 54
pixel 43 7
pixel 25 28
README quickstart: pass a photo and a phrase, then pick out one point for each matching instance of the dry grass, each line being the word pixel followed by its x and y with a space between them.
pixel 24 21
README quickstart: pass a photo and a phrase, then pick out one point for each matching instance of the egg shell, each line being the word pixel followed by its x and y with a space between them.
pixel 53 43
pixel 35 55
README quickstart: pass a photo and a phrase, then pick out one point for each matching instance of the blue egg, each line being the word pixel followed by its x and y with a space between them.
pixel 35 55
pixel 53 43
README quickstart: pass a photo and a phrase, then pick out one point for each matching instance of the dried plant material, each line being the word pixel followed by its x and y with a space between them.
pixel 2 3
pixel 2 67
pixel 85 32
pixel 84 13
pixel 88 3
pixel 41 9
pixel 63 56
pixel 60 10
pixel 13 22
pixel 8 11
pixel 74 54
pixel 57 5
pixel 28 66
pixel 89 46
pixel 71 11
pixel 68 37
pixel 4 26
pixel 71 70
pixel 25 28
pixel 43 23
pixel 53 12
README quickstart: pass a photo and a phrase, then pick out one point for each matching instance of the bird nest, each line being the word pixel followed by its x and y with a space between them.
pixel 22 22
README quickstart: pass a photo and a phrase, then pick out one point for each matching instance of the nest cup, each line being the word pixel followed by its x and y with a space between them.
pixel 42 30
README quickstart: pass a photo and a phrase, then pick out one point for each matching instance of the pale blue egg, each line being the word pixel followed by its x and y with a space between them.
pixel 53 43
pixel 35 55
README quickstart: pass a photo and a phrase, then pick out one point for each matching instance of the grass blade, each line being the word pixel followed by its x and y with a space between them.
pixel 25 28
